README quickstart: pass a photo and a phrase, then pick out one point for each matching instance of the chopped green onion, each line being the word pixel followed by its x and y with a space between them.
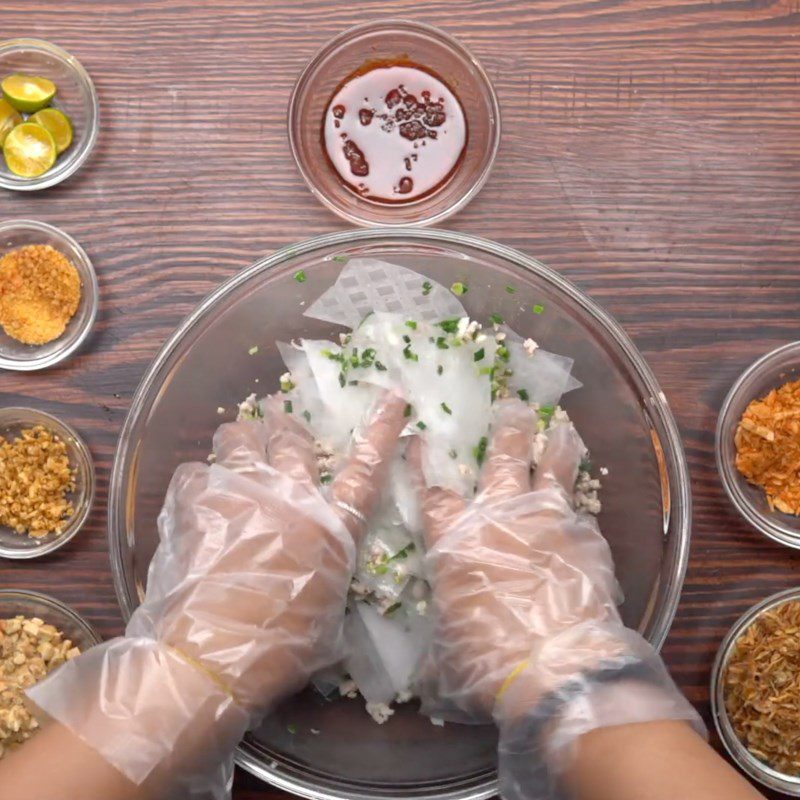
pixel 441 343
pixel 479 451
pixel 406 338
pixel 421 425
pixel 300 276
pixel 342 380
pixel 253 350
pixel 287 406
pixel 538 309
pixel 448 325
pixel 352 383
pixel 427 287
pixel 585 465
pixel 510 289
pixel 407 411
pixel 486 370
pixel 340 259
pixel 380 367
pixel 503 353
pixel 410 323
pixel 453 454
pixel 496 319
pixel 459 288
pixel 291 728
pixel 546 413
pixel 446 408
pixel 326 477
pixel 307 415
pixel 392 608
pixel 523 394
pixel 401 554
pixel 381 569
pixel 439 369
pixel 479 354
pixel 409 354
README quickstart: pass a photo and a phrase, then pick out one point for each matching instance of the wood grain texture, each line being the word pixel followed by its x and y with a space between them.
pixel 650 153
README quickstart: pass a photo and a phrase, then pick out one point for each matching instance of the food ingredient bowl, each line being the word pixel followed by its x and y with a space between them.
pixel 769 372
pixel 21 357
pixel 211 362
pixel 76 97
pixel 751 765
pixel 33 604
pixel 388 40
pixel 22 546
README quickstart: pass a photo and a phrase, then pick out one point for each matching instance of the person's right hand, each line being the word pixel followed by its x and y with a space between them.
pixel 512 569
pixel 526 627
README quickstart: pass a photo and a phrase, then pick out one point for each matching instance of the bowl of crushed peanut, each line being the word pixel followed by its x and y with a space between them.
pixel 758 444
pixel 48 295
pixel 37 635
pixel 46 483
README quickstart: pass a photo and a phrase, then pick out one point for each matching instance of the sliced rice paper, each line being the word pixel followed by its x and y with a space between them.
pixel 367 285
pixel 546 377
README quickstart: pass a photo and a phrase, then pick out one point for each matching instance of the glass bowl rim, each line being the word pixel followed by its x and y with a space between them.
pixel 39 597
pixel 54 177
pixel 656 405
pixel 729 476
pixel 756 769
pixel 348 213
pixel 45 362
pixel 84 455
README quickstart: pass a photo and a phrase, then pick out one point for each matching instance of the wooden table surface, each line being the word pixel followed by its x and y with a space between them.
pixel 650 152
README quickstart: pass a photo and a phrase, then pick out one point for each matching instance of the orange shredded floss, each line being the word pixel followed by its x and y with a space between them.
pixel 40 290
pixel 768 446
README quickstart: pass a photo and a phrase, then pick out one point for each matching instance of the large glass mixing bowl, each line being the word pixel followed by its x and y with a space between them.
pixel 323 749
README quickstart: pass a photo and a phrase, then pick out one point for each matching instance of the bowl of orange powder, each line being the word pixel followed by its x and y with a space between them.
pixel 48 295
pixel 758 444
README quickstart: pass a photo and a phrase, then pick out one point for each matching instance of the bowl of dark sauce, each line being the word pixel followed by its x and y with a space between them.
pixel 394 123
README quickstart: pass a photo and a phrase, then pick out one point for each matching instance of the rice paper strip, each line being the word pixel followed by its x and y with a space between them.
pixel 546 377
pixel 367 285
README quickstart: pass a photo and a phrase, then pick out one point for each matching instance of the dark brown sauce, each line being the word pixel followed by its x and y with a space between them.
pixel 394 131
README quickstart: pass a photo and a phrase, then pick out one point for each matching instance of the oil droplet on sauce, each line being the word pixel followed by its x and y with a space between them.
pixel 394 132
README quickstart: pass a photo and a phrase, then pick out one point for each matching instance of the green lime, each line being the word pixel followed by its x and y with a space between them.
pixel 30 150
pixel 9 118
pixel 59 125
pixel 28 93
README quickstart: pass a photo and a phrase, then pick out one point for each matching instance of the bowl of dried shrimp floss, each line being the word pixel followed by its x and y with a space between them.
pixel 49 295
pixel 755 692
pixel 47 483
pixel 758 444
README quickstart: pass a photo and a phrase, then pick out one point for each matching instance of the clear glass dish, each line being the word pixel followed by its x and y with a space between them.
pixel 76 97
pixel 621 413
pixel 746 761
pixel 769 372
pixel 33 604
pixel 22 546
pixel 381 40
pixel 21 357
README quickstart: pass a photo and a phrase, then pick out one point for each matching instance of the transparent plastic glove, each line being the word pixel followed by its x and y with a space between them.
pixel 526 624
pixel 245 600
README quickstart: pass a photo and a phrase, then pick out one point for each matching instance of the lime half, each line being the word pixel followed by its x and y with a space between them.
pixel 30 150
pixel 9 118
pixel 59 125
pixel 28 93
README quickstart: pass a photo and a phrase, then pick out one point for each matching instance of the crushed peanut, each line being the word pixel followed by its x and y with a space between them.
pixel 29 650
pixel 35 479
pixel 768 446
pixel 40 290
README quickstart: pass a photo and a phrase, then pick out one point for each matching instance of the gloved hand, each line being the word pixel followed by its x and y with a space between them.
pixel 525 601
pixel 245 600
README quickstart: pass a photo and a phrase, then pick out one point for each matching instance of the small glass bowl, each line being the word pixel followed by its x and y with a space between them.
pixel 769 372
pixel 21 357
pixel 22 546
pixel 76 97
pixel 33 604
pixel 387 40
pixel 754 767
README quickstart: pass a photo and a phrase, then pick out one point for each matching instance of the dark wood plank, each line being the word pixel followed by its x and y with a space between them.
pixel 650 153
